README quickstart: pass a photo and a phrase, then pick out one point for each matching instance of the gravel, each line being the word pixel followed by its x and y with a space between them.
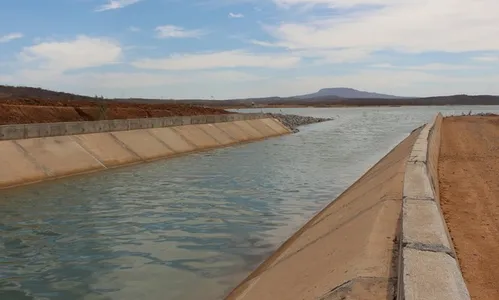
pixel 294 121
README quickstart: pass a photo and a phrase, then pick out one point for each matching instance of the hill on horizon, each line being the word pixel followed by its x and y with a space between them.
pixel 348 93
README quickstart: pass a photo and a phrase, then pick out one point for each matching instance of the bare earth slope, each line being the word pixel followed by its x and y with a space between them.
pixel 469 195
pixel 348 250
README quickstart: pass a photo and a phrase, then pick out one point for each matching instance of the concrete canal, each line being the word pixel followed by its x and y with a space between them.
pixel 190 227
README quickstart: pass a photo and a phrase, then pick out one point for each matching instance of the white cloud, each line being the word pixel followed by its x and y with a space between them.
pixel 11 36
pixel 172 31
pixel 401 25
pixel 487 58
pixel 115 4
pixel 235 15
pixel 225 59
pixel 427 67
pixel 82 52
pixel 134 29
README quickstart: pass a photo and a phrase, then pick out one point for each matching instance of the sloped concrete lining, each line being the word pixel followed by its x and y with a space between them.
pixel 197 136
pixel 60 156
pixel 220 136
pixel 348 250
pixel 173 140
pixel 15 167
pixel 24 161
pixel 261 127
pixel 235 132
pixel 142 143
pixel 427 265
pixel 107 149
pixel 248 129
pixel 25 131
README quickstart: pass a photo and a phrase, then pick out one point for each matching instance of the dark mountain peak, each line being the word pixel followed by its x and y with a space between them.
pixel 345 92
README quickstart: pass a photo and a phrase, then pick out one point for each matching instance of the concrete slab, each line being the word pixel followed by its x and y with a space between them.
pixel 262 127
pixel 196 136
pixel 172 139
pixel 432 276
pixel 352 238
pixel 416 182
pixel 276 125
pixel 143 144
pixel 219 135
pixel 16 167
pixel 246 127
pixel 60 155
pixel 233 131
pixel 106 149
pixel 423 226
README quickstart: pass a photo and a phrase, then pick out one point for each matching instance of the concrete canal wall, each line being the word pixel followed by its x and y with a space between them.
pixel 36 152
pixel 383 238
pixel 428 268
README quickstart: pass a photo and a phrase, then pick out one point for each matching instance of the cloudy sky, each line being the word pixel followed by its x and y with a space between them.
pixel 246 48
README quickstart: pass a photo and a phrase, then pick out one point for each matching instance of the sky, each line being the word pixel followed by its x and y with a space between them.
pixel 250 48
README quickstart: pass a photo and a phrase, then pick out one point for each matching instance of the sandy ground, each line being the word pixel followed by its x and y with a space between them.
pixel 469 195
pixel 348 250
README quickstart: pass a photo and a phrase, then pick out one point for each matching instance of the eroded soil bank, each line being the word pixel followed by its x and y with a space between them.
pixel 469 195
pixel 46 111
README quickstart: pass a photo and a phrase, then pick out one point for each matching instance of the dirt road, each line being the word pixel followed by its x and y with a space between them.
pixel 469 195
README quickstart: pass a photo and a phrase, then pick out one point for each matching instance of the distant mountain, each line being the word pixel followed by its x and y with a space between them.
pixel 347 93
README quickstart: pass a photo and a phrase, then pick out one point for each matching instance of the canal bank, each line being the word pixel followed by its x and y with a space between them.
pixel 36 152
pixel 202 221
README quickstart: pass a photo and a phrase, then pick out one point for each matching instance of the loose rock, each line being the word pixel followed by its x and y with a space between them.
pixel 294 121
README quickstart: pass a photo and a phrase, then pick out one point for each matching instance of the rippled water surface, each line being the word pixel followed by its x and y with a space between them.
pixel 189 227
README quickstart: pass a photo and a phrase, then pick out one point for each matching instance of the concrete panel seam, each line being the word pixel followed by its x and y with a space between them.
pixel 272 129
pixel 125 146
pixel 429 248
pixel 78 142
pixel 32 159
pixel 159 140
pixel 227 133
pixel 208 134
pixel 249 124
pixel 175 128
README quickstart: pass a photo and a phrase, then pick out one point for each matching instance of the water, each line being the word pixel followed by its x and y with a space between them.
pixel 190 227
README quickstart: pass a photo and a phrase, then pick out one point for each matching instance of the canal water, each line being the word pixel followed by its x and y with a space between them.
pixel 189 227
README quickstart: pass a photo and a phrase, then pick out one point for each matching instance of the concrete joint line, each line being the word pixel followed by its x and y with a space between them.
pixel 45 170
pixel 124 146
pixel 77 141
pixel 220 143
pixel 160 141
pixel 181 135
pixel 226 132
pixel 429 248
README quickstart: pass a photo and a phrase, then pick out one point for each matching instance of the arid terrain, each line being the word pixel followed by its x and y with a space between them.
pixel 23 111
pixel 469 195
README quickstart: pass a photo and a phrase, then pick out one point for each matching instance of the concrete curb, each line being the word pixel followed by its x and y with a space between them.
pixel 428 268
pixel 37 130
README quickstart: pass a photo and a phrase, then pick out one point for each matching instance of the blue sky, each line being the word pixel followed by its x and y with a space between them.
pixel 250 48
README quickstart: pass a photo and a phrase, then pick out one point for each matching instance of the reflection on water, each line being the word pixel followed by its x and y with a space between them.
pixel 189 227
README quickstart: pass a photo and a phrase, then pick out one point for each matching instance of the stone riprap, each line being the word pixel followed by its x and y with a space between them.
pixel 294 121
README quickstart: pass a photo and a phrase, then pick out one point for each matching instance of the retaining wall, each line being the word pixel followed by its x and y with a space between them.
pixel 26 131
pixel 47 156
pixel 428 268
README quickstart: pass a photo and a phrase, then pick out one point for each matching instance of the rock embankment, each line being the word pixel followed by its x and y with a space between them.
pixel 293 121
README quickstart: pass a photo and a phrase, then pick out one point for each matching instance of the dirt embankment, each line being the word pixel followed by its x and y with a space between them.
pixel 469 196
pixel 46 111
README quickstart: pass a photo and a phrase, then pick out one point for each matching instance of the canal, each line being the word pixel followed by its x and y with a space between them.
pixel 190 227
